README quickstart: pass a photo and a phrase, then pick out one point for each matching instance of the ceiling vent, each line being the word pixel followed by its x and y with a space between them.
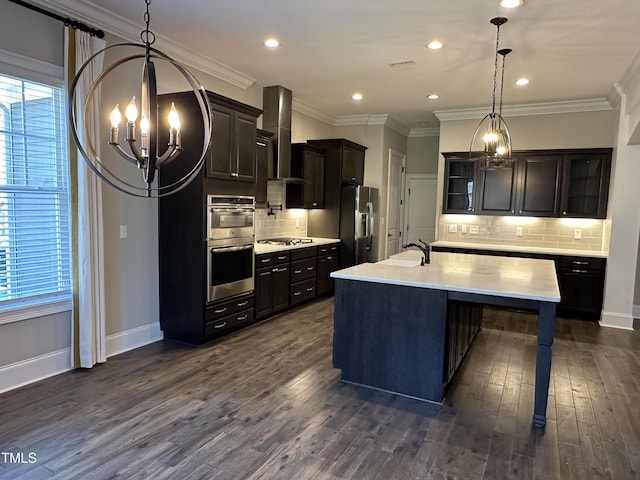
pixel 402 64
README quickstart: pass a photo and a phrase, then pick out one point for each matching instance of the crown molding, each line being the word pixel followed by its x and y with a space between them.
pixel 424 132
pixel 124 28
pixel 384 119
pixel 570 106
pixel 306 109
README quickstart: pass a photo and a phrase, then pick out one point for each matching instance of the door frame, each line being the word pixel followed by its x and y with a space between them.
pixel 396 153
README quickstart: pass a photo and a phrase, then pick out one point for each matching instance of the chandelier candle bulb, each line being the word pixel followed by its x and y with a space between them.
pixel 144 134
pixel 115 118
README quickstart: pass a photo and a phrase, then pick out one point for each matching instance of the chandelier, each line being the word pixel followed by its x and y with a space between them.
pixel 142 148
pixel 491 142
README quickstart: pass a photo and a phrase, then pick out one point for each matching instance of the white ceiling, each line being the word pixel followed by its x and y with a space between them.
pixel 569 49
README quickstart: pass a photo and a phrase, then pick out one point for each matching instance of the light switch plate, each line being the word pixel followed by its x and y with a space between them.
pixel 464 228
pixel 123 231
pixel 474 229
pixel 577 234
pixel 453 228
pixel 518 231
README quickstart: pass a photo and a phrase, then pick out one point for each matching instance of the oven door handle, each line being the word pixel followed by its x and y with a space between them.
pixel 232 249
pixel 232 210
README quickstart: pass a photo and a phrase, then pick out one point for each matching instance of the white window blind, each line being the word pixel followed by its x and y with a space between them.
pixel 34 193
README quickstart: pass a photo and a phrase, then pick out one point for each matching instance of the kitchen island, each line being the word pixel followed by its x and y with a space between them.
pixel 393 319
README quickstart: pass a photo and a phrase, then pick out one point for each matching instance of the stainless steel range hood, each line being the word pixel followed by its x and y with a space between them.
pixel 276 119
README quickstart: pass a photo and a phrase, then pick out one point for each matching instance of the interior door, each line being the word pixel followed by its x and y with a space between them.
pixel 395 194
pixel 420 204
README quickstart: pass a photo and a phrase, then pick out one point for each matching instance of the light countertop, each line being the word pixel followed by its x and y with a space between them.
pixel 267 248
pixel 511 277
pixel 521 248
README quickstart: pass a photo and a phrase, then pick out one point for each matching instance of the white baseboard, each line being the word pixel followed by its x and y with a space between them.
pixel 33 369
pixel 616 320
pixel 134 338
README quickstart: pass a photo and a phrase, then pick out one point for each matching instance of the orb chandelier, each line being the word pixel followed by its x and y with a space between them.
pixel 142 148
pixel 491 141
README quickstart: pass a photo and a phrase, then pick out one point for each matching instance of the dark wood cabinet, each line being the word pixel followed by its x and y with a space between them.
pixel 262 162
pixel 271 284
pixel 182 255
pixel 339 154
pixel 459 186
pixel 307 163
pixel 327 263
pixel 541 183
pixel 463 324
pixel 530 188
pixel 303 275
pixel 585 184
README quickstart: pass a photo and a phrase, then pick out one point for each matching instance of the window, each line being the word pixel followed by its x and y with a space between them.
pixel 34 193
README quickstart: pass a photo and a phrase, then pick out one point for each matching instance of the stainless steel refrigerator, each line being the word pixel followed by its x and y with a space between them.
pixel 358 225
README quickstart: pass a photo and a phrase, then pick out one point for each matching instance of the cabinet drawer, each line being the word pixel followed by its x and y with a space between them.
pixel 581 263
pixel 326 249
pixel 303 270
pixel 300 253
pixel 228 323
pixel 228 307
pixel 269 259
pixel 303 291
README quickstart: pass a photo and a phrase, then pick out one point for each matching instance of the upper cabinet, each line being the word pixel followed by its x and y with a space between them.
pixel 542 183
pixel 352 164
pixel 307 163
pixel 459 186
pixel 530 188
pixel 233 141
pixel 585 184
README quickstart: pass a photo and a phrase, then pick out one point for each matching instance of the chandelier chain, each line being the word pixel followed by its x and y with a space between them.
pixel 495 71
pixel 147 36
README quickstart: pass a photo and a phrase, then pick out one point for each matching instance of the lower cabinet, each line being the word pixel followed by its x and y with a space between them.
pixel 303 275
pixel 463 324
pixel 327 263
pixel 271 284
pixel 227 315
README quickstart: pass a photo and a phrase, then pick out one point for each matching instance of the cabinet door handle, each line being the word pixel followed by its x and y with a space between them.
pixel 577 262
pixel 575 270
pixel 264 274
pixel 221 310
pixel 353 178
pixel 297 271
pixel 329 257
pixel 221 325
pixel 234 174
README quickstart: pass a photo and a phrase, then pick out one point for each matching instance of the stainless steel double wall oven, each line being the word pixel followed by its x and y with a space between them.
pixel 230 252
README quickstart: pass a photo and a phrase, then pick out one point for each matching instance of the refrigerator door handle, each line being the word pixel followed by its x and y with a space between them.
pixel 369 230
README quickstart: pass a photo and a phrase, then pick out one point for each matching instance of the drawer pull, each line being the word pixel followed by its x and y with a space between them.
pixel 279 269
pixel 221 325
pixel 264 274
pixel 310 268
pixel 576 262
pixel 295 294
pixel 310 289
pixel 297 271
pixel 246 302
pixel 282 258
pixel 265 260
pixel 221 310
pixel 575 270
pixel 243 317
pixel 329 258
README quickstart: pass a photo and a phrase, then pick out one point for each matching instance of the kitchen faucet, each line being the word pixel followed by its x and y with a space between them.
pixel 424 248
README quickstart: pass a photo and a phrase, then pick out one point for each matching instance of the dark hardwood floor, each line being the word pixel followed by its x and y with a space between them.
pixel 265 403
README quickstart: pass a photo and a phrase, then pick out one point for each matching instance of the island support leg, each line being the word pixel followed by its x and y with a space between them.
pixel 546 323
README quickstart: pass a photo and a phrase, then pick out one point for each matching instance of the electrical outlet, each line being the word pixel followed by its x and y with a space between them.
pixel 474 229
pixel 123 231
pixel 453 228
pixel 518 231
pixel 577 234
pixel 464 229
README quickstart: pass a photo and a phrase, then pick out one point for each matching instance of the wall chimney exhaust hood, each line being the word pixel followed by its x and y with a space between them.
pixel 276 119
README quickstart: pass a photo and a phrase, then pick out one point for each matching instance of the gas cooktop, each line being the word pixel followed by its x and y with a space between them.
pixel 286 241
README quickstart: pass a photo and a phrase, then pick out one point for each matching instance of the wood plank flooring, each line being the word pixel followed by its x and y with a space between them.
pixel 265 403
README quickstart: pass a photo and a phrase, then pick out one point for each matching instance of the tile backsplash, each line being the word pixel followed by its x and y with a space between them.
pixel 286 223
pixel 566 233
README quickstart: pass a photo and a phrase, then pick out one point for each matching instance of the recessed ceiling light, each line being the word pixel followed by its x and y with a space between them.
pixel 435 45
pixel 357 96
pixel 423 123
pixel 433 96
pixel 522 81
pixel 511 3
pixel 271 43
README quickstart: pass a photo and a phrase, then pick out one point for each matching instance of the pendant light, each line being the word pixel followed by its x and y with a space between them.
pixel 142 149
pixel 491 142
